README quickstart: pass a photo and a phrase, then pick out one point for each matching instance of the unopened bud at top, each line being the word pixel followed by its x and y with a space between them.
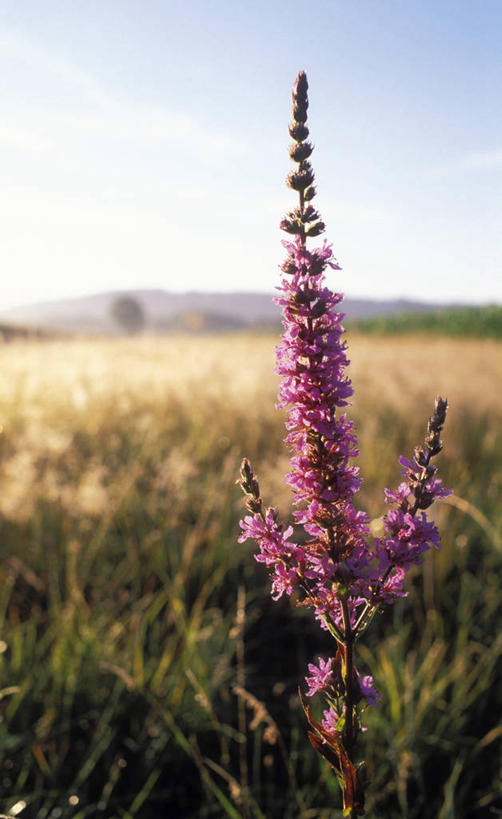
pixel 302 178
pixel 300 88
pixel 441 405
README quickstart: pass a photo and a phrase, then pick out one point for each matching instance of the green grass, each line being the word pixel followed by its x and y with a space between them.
pixel 129 614
pixel 462 322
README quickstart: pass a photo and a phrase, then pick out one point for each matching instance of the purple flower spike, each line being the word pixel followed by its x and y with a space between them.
pixel 337 570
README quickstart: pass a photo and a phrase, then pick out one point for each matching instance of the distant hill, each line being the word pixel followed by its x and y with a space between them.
pixel 195 312
pixel 163 310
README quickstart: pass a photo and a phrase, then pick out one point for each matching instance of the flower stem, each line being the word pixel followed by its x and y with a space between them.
pixel 349 737
pixel 348 652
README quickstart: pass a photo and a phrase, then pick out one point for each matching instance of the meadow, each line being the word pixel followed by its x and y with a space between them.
pixel 461 322
pixel 145 671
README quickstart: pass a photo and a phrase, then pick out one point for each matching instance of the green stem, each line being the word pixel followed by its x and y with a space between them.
pixel 348 650
pixel 349 737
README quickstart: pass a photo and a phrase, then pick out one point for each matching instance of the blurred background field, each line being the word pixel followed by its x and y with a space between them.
pixel 138 639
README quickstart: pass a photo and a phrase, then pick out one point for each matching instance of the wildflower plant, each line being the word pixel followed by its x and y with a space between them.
pixel 334 566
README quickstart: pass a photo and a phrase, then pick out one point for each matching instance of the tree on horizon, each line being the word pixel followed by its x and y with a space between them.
pixel 129 314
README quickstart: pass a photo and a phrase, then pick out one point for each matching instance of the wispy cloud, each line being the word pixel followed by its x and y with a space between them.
pixel 98 113
pixel 30 126
pixel 18 48
pixel 488 159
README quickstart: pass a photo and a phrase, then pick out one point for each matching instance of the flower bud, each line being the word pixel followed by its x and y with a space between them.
pixel 309 215
pixel 300 112
pixel 300 87
pixel 300 151
pixel 291 226
pixel 316 229
pixel 288 267
pixel 248 482
pixel 441 405
pixel 424 500
pixel 317 265
pixel 301 179
pixel 420 456
pixel 298 131
pixel 318 309
pixel 301 297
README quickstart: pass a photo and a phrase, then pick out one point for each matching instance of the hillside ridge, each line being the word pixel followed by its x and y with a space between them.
pixel 166 310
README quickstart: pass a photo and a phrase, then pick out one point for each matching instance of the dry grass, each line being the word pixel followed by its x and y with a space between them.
pixel 49 390
pixel 408 371
pixel 118 519
pixel 55 380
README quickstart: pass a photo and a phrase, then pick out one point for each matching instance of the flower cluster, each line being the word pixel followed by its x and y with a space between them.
pixel 337 569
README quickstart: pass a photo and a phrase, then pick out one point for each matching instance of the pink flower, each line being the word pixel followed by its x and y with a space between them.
pixel 399 495
pixel 321 676
pixel 330 721
pixel 367 689
pixel 283 580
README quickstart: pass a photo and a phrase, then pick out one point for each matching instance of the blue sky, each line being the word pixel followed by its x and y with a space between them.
pixel 144 144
